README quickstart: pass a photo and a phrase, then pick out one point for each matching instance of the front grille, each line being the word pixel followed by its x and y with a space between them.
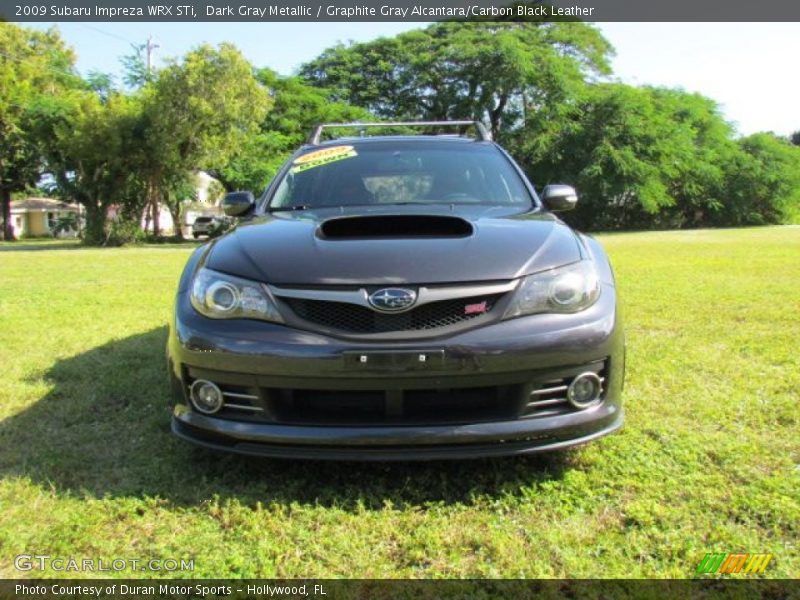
pixel 406 407
pixel 353 318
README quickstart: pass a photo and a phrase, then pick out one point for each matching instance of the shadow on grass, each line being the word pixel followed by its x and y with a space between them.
pixel 103 430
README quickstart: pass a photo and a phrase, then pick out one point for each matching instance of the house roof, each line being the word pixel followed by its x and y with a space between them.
pixel 41 204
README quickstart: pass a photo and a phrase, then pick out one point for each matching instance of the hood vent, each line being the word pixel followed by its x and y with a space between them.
pixel 395 226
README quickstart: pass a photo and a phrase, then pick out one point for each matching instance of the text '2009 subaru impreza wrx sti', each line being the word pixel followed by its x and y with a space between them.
pixel 397 297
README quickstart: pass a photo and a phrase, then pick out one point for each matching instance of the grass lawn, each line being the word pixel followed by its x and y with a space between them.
pixel 708 460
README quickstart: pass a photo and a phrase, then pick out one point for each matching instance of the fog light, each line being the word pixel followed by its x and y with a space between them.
pixel 206 396
pixel 584 390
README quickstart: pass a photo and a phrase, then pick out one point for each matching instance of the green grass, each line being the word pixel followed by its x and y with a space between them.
pixel 707 462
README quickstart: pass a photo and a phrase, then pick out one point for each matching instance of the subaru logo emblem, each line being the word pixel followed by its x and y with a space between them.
pixel 392 299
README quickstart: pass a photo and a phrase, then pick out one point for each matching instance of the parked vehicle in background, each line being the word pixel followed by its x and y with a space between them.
pixel 397 297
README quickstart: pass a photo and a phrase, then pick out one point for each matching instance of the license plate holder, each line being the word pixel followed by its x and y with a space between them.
pixel 394 360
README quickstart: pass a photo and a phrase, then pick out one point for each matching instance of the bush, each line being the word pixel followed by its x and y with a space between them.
pixel 66 224
pixel 218 229
pixel 124 231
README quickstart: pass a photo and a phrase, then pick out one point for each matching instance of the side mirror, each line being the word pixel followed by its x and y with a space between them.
pixel 237 204
pixel 559 197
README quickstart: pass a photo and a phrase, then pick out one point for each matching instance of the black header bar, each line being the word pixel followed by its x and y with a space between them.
pixel 117 11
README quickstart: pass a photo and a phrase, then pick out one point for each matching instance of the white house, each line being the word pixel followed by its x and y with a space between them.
pixel 37 217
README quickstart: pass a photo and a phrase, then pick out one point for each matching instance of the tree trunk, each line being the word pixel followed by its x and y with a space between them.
pixel 79 222
pixel 8 230
pixel 147 217
pixel 95 232
pixel 175 211
pixel 155 208
pixel 496 115
pixel 524 108
pixel 153 193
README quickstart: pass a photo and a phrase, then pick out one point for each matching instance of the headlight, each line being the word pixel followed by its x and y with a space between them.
pixel 564 290
pixel 221 296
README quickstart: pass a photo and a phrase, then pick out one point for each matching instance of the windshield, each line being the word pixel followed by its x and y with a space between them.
pixel 407 173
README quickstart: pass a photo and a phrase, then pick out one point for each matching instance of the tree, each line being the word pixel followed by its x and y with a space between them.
pixel 197 113
pixel 137 75
pixel 297 107
pixel 703 148
pixel 763 184
pixel 32 64
pixel 639 156
pixel 214 192
pixel 101 84
pixel 499 72
pixel 88 145
pixel 178 190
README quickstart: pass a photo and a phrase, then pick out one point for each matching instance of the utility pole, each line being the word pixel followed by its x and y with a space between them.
pixel 150 46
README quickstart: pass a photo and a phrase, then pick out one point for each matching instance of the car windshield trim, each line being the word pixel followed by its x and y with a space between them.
pixel 303 207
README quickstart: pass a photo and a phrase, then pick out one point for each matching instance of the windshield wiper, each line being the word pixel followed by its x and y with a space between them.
pixel 288 208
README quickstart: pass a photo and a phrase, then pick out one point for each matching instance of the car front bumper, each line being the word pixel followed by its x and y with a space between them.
pixel 499 367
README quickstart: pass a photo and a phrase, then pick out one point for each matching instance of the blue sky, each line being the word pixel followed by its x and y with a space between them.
pixel 749 68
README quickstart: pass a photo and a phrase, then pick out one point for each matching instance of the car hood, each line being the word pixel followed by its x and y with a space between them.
pixel 333 247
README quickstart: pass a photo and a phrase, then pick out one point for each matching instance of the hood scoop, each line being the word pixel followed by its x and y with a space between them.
pixel 395 226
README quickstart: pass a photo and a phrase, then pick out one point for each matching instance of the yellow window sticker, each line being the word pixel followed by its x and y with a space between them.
pixel 322 157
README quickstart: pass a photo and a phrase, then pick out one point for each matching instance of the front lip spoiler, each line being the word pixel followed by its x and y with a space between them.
pixel 441 451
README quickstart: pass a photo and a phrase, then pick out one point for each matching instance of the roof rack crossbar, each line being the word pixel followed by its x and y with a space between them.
pixel 482 133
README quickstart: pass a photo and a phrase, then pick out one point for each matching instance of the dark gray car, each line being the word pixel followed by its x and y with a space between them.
pixel 397 297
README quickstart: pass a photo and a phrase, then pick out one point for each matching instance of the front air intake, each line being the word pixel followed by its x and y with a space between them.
pixel 395 226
